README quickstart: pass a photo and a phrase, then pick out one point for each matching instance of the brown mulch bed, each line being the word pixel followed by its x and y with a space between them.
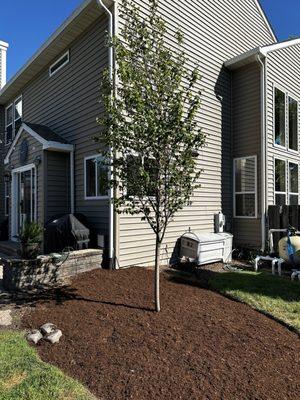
pixel 201 346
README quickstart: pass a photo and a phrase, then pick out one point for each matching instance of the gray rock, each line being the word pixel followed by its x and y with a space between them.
pixel 34 336
pixel 54 337
pixel 48 328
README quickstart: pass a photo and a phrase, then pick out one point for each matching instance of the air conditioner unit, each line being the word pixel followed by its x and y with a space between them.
pixel 206 248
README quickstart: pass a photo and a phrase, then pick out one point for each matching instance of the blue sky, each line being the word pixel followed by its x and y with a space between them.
pixel 27 24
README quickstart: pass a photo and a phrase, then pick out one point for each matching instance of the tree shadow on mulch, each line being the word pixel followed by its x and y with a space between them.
pixel 59 296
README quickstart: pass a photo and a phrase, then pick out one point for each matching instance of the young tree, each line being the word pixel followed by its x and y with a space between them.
pixel 150 123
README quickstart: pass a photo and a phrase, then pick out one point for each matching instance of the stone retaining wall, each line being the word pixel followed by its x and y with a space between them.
pixel 46 271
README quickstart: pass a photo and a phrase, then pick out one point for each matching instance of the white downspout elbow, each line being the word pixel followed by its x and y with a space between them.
pixel 111 190
pixel 263 153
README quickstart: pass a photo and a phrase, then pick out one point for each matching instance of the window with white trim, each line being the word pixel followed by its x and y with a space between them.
pixel 13 119
pixel 280 182
pixel 293 184
pixel 18 114
pixel 59 64
pixel 245 176
pixel 293 124
pixel 9 124
pixel 286 120
pixel 280 117
pixel 95 177
pixel 6 198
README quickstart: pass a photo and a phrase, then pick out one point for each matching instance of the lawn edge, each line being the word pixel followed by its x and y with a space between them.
pixel 291 328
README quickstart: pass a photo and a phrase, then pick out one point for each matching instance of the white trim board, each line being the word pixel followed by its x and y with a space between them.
pixel 262 51
pixel 255 192
pixel 47 145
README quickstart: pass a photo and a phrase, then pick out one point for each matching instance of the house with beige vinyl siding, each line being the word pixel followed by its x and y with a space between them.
pixel 51 165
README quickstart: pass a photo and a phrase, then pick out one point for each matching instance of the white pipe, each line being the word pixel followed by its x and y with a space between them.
pixel 263 154
pixel 72 182
pixel 111 171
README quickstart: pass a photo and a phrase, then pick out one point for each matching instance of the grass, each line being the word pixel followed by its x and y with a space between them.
pixel 267 293
pixel 23 376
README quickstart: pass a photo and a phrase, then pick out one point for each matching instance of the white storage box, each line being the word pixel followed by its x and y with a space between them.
pixel 206 248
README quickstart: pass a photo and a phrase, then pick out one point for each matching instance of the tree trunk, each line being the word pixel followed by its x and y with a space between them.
pixel 157 271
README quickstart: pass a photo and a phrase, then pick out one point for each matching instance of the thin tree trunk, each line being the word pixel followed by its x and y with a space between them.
pixel 157 271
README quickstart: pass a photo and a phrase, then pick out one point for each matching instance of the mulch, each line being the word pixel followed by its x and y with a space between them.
pixel 201 346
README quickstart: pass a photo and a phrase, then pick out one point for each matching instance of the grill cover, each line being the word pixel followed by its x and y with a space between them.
pixel 65 231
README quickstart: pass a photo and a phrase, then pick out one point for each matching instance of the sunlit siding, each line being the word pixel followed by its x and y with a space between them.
pixel 214 31
pixel 283 69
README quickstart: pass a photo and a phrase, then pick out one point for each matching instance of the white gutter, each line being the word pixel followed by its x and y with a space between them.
pixel 111 171
pixel 263 152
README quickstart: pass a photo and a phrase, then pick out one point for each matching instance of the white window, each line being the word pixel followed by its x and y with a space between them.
pixel 95 178
pixel 60 63
pixel 13 119
pixel 280 182
pixel 9 124
pixel 6 198
pixel 293 184
pixel 280 117
pixel 18 113
pixel 293 124
pixel 245 182
pixel 286 120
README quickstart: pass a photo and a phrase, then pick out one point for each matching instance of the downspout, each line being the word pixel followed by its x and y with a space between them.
pixel 72 181
pixel 111 253
pixel 263 152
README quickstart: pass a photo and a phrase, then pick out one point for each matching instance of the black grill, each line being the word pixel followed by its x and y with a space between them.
pixel 66 232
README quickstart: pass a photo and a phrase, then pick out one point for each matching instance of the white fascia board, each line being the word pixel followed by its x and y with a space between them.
pixel 56 146
pixel 47 145
pixel 278 46
pixel 25 128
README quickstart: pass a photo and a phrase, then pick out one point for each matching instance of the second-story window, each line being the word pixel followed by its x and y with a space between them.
pixel 18 114
pixel 59 64
pixel 9 124
pixel 13 119
pixel 286 113
pixel 293 124
pixel 280 116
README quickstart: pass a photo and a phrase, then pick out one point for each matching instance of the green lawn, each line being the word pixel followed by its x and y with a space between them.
pixel 272 294
pixel 23 376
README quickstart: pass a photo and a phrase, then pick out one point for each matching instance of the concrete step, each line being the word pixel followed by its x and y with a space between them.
pixel 10 248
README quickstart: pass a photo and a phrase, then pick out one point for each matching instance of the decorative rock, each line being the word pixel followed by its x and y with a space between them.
pixel 5 318
pixel 54 337
pixel 48 328
pixel 34 336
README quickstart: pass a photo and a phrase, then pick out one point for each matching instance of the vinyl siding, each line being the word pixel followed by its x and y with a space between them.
pixel 69 104
pixel 56 183
pixel 283 69
pixel 246 114
pixel 214 31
